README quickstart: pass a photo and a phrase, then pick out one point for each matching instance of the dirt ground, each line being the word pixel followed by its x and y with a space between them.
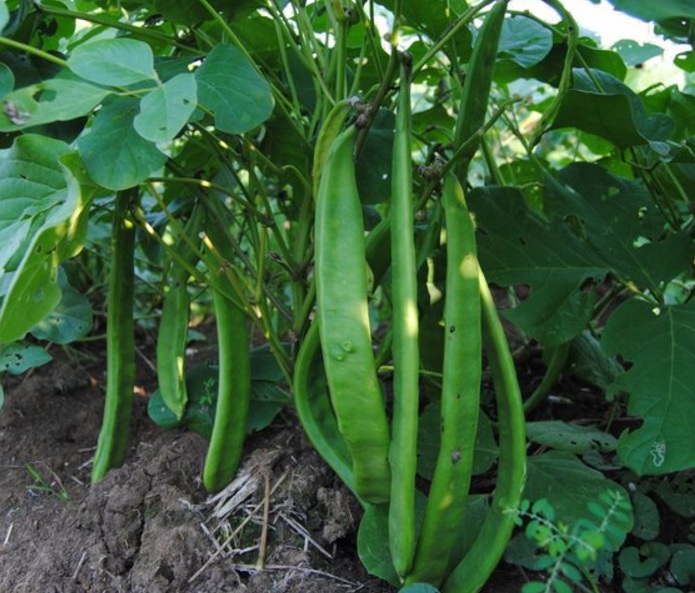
pixel 149 527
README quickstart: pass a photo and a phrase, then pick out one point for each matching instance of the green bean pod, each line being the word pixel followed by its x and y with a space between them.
pixel 460 400
pixel 234 383
pixel 313 406
pixel 341 292
pixel 476 86
pixel 120 341
pixel 475 569
pixel 173 323
pixel 405 349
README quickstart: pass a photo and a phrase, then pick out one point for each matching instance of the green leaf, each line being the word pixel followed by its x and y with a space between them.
pixel 4 19
pixel 35 190
pixel 589 363
pixel 647 520
pixel 113 62
pixel 56 99
pixel 656 11
pixel 569 485
pixel 635 54
pixel 569 437
pixel 6 80
pixel 230 87
pixel 69 321
pixel 682 565
pixel 600 104
pixel 373 544
pixel 115 155
pixel 166 109
pixel 419 588
pixel 661 346
pixel 524 41
pixel 267 397
pixel 517 246
pixel 374 162
pixel 620 223
pixel 643 562
pixel 18 358
pixel 429 430
pixel 533 587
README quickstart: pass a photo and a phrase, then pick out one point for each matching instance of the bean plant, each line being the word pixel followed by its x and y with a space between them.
pixel 401 204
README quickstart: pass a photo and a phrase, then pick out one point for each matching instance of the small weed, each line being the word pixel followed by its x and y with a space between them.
pixel 55 486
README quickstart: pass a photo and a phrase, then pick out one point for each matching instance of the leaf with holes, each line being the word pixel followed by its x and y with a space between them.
pixel 517 246
pixel 230 87
pixel 18 358
pixel 620 223
pixel 166 109
pixel 570 437
pixel 660 344
pixel 57 99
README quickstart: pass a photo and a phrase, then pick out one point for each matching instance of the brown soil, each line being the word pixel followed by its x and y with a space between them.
pixel 149 526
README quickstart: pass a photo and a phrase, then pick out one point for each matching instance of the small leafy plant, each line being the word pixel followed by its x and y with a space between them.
pixel 571 555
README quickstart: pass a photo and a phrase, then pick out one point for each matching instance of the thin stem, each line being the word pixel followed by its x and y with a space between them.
pixel 461 22
pixel 34 51
pixel 557 362
pixel 137 32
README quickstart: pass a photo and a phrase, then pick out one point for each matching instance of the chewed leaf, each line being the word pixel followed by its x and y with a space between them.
pixel 661 346
pixel 570 437
pixel 18 358
pixel 57 99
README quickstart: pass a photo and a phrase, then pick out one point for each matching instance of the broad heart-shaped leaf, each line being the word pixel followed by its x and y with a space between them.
pixel 166 109
pixel 615 216
pixel 230 87
pixel 524 41
pixel 113 62
pixel 56 208
pixel 56 99
pixel 569 486
pixel 661 346
pixel 115 155
pixel 517 246
pixel 656 11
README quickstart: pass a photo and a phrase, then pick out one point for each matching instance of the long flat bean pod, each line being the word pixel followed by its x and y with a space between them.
pixel 406 355
pixel 476 86
pixel 460 400
pixel 120 341
pixel 234 385
pixel 341 291
pixel 474 570
pixel 173 323
pixel 313 407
